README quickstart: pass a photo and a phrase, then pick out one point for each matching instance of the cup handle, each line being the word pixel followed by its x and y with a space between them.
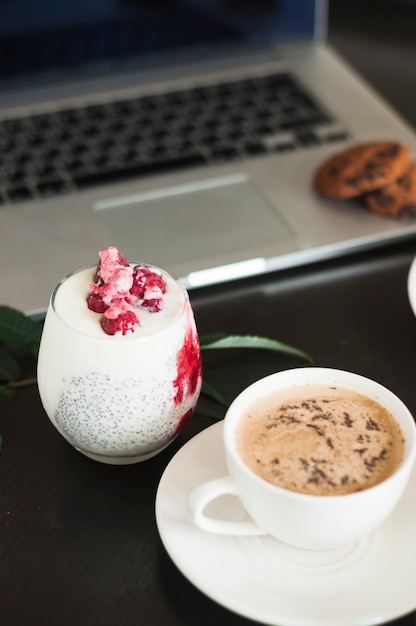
pixel 205 493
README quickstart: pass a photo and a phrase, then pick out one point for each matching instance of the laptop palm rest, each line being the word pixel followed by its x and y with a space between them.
pixel 167 227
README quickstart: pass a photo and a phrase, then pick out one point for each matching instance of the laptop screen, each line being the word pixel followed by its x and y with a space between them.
pixel 46 38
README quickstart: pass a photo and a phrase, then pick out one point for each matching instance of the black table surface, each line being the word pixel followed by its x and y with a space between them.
pixel 78 539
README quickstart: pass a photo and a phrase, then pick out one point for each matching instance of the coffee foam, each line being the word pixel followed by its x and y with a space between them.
pixel 321 441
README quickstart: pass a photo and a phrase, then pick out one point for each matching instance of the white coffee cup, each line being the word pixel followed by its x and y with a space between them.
pixel 299 519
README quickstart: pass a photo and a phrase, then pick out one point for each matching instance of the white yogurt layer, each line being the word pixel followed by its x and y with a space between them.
pixel 70 304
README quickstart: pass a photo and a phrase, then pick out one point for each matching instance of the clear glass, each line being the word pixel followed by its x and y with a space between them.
pixel 119 399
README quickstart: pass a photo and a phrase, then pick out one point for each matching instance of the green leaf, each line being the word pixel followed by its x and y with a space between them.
pixel 6 392
pixel 221 340
pixel 203 409
pixel 19 329
pixel 9 368
pixel 214 388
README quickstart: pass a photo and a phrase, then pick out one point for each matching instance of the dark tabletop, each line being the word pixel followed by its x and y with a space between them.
pixel 377 37
pixel 78 539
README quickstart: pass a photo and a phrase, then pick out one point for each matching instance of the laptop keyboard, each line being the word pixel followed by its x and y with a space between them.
pixel 69 150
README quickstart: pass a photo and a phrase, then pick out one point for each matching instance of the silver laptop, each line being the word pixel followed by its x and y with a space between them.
pixel 184 133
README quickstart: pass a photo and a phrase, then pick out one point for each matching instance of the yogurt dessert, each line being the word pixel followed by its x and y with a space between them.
pixel 119 368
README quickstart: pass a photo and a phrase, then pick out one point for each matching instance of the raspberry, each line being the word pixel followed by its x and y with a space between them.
pixel 148 286
pixel 119 290
pixel 96 303
pixel 118 285
pixel 152 305
pixel 122 259
pixel 109 257
pixel 120 317
pixel 97 275
pixel 137 288
pixel 124 323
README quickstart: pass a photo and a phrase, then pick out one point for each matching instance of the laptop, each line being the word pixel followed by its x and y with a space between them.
pixel 184 133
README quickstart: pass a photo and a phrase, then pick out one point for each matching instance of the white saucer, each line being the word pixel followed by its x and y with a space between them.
pixel 370 582
pixel 411 285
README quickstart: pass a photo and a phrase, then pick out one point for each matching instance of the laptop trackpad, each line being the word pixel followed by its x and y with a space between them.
pixel 188 223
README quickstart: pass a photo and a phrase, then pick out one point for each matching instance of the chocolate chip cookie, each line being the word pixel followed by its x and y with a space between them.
pixel 362 168
pixel 398 199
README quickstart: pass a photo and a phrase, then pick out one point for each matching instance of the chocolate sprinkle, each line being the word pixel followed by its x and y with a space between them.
pixel 348 421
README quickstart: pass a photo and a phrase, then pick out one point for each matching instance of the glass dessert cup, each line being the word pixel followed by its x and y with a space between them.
pixel 119 399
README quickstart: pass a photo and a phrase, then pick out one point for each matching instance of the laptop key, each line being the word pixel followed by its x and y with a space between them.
pixel 18 177
pixel 336 136
pixel 299 123
pixel 78 167
pixel 53 188
pixel 308 139
pixel 83 181
pixel 225 154
pixel 255 149
pixel 284 146
pixel 19 194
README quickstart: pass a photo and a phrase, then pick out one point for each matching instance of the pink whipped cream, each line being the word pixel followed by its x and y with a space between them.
pixel 120 291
